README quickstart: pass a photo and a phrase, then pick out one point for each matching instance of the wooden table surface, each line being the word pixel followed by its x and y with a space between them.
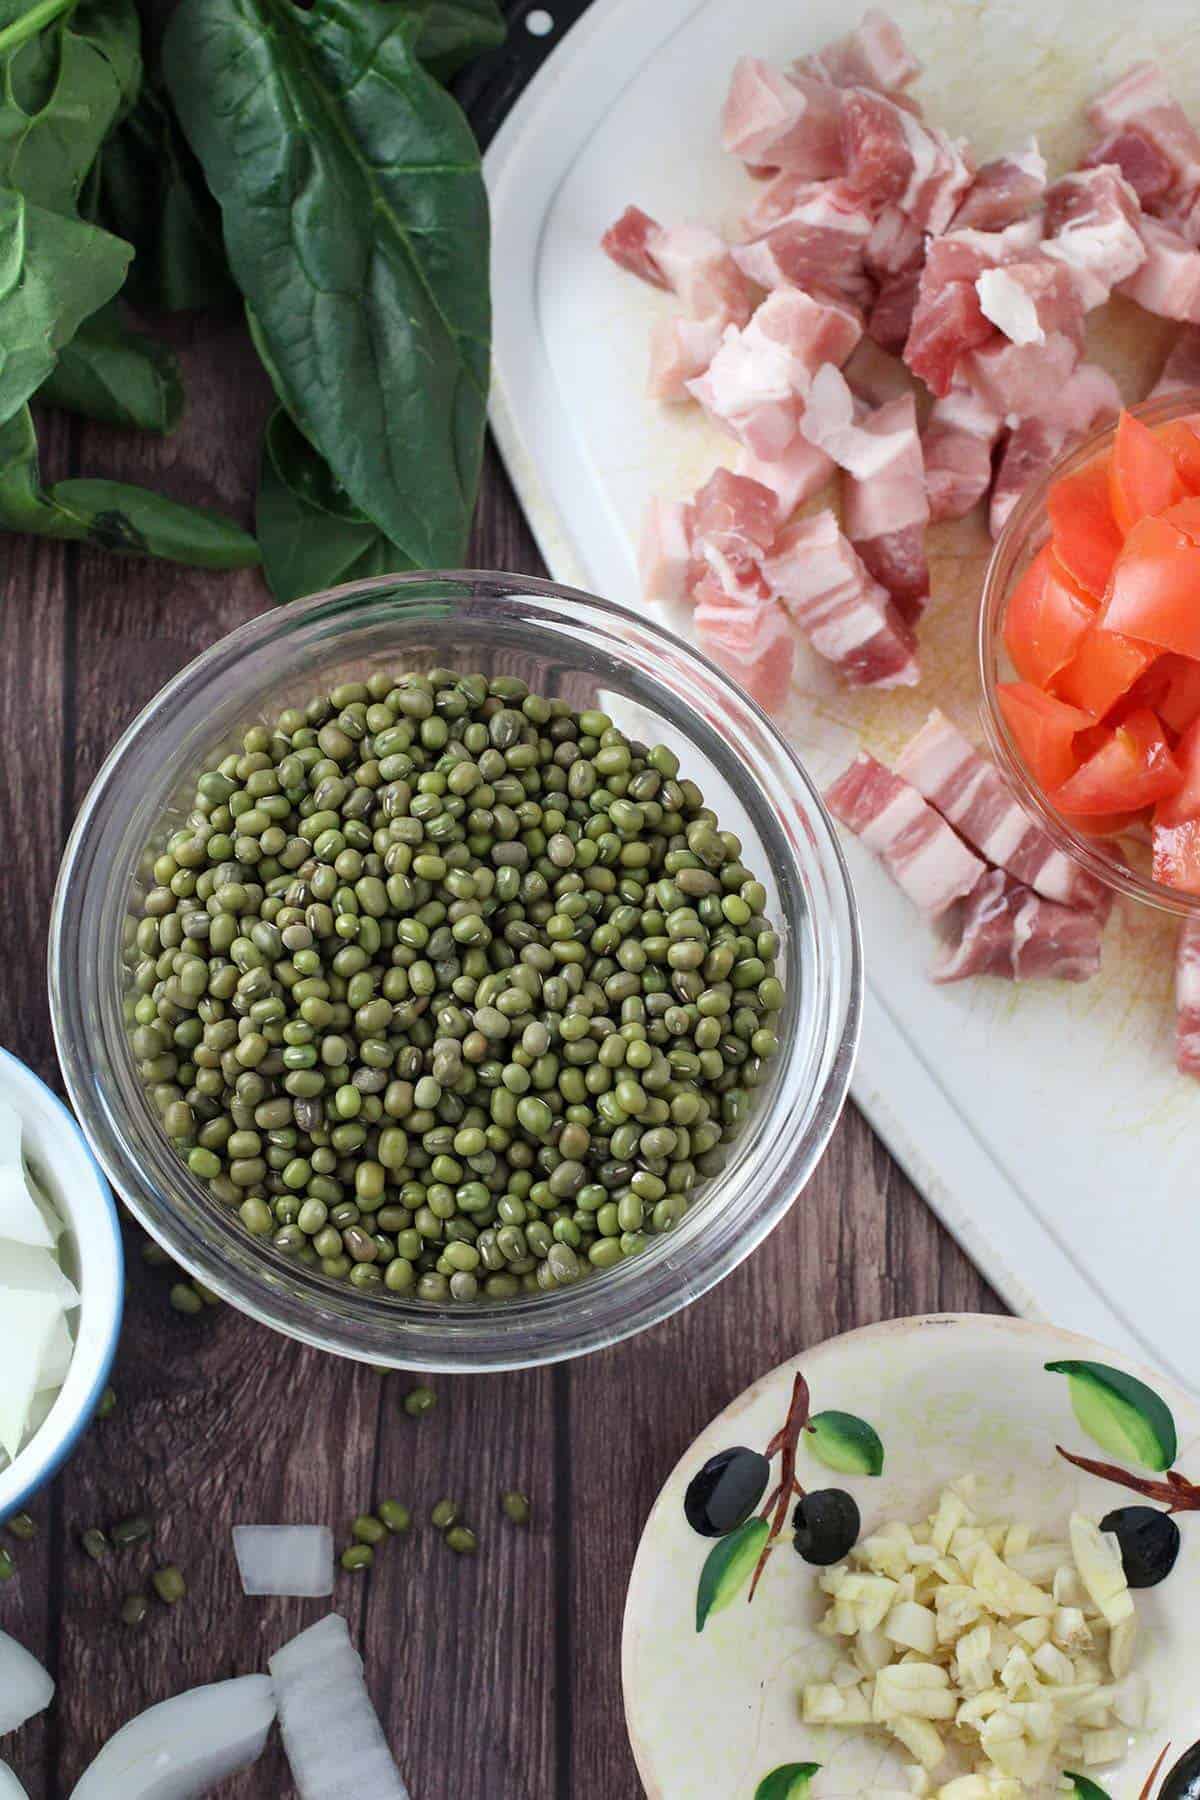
pixel 497 1678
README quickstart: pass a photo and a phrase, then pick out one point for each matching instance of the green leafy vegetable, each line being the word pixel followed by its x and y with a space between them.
pixel 1082 1788
pixel 791 1782
pixel 1122 1414
pixel 454 31
pixel 845 1443
pixel 111 513
pixel 151 190
pixel 110 372
pixel 54 272
pixel 312 537
pixel 355 219
pixel 728 1567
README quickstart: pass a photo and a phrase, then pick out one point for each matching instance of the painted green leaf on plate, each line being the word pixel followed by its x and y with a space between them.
pixel 1083 1789
pixel 727 1569
pixel 845 1443
pixel 1122 1414
pixel 787 1783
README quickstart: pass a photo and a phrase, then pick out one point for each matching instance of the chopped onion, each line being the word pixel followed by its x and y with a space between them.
pixel 25 1687
pixel 27 1324
pixel 181 1748
pixel 285 1559
pixel 10 1787
pixel 56 1360
pixel 36 1271
pixel 20 1216
pixel 332 1735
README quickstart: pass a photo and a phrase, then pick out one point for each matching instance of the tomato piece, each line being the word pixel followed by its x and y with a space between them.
pixel 1155 592
pixel 1180 701
pixel 1047 615
pixel 1135 768
pixel 1103 669
pixel 1185 515
pixel 1086 536
pixel 1142 474
pixel 1182 439
pixel 1045 730
pixel 1100 825
pixel 1177 821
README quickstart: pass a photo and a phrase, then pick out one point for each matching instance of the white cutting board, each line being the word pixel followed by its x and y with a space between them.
pixel 1044 1124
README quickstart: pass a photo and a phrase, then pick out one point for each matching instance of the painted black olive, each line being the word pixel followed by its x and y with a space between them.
pixel 827 1525
pixel 1149 1542
pixel 1183 1783
pixel 726 1491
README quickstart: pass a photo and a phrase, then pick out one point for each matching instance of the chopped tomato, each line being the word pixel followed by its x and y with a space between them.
pixel 1135 768
pixel 1182 438
pixel 1047 615
pixel 1103 669
pixel 1170 687
pixel 1099 825
pixel 1142 474
pixel 1185 514
pixel 1177 821
pixel 1045 730
pixel 1155 592
pixel 1086 536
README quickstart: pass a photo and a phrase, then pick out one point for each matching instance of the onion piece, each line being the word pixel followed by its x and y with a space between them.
pixel 331 1732
pixel 56 1360
pixel 10 1787
pixel 181 1748
pixel 27 1324
pixel 285 1559
pixel 20 1216
pixel 35 1271
pixel 25 1687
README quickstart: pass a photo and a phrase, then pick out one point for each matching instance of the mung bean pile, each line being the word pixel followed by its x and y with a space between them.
pixel 450 991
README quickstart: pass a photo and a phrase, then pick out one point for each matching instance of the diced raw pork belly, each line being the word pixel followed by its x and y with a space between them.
pixel 754 644
pixel 890 319
pixel 680 350
pixel 1141 101
pixel 1028 301
pixel 1087 397
pixel 775 122
pixel 848 618
pixel 885 514
pixel 959 437
pixel 688 260
pixel 1003 191
pixel 948 320
pixel 831 422
pixel 1182 367
pixel 735 516
pixel 756 380
pixel 665 553
pixel 1015 379
pixel 891 156
pixel 1168 282
pixel 1187 998
pixel 873 55
pixel 1008 930
pixel 793 478
pixel 1093 220
pixel 819 243
pixel 925 859
pixel 895 246
pixel 967 789
pixel 1149 173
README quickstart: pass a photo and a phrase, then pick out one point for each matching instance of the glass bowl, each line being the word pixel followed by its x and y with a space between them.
pixel 562 642
pixel 1120 862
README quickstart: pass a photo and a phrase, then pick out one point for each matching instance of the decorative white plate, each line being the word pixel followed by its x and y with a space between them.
pixel 712 1713
pixel 1045 1124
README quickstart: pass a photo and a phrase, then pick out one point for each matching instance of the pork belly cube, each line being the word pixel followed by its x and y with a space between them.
pixel 1141 101
pixel 1168 281
pixel 688 260
pixel 890 319
pixel 680 350
pixel 665 551
pixel 873 55
pixel 771 121
pixel 925 859
pixel 959 437
pixel 1029 301
pixel 1008 930
pixel 796 476
pixel 758 377
pixel 1093 220
pixel 886 512
pixel 756 645
pixel 848 618
pixel 1004 190
pixel 818 243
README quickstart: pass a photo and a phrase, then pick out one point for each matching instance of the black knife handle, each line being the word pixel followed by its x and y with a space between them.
pixel 489 88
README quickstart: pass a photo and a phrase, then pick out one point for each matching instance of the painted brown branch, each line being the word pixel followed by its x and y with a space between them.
pixel 1153 1775
pixel 783 1445
pixel 1176 1493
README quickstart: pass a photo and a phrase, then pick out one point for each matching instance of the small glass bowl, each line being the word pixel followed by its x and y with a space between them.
pixel 562 642
pixel 1023 536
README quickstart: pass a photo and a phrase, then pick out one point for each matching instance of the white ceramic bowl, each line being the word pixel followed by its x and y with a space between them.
pixel 56 1147
pixel 713 1713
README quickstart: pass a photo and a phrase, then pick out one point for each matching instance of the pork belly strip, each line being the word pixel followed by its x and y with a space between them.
pixel 924 857
pixel 1008 930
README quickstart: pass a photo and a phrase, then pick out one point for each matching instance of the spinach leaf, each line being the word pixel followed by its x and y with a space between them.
pixel 54 272
pixel 355 218
pixel 111 514
pixel 151 190
pixel 117 375
pixel 61 92
pixel 312 536
pixel 454 31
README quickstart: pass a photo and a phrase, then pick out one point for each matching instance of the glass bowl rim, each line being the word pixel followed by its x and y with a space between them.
pixel 577 1328
pixel 998 583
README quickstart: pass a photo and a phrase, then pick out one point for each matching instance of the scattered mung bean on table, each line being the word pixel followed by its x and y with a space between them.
pixel 449 991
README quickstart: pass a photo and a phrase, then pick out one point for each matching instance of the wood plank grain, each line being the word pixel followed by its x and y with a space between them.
pixel 858 1245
